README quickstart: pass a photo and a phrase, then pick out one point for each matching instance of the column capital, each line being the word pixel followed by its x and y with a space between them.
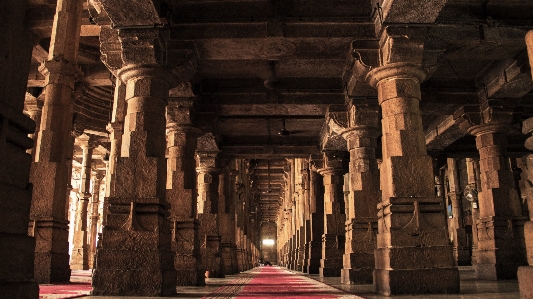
pixel 399 70
pixel 333 163
pixel 117 127
pixel 490 116
pixel 86 141
pixel 400 52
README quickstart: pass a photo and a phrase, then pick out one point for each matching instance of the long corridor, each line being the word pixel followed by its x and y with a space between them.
pixel 277 282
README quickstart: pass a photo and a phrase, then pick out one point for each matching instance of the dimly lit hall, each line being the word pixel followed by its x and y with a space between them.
pixel 266 148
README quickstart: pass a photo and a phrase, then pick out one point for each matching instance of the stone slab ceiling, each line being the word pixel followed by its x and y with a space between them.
pixel 265 65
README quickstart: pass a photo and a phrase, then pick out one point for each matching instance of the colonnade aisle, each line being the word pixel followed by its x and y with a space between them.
pixel 275 282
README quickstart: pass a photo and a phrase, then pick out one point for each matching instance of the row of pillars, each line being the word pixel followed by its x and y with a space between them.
pixel 135 257
pixel 393 230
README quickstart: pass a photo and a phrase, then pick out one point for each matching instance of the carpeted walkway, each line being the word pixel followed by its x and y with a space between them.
pixel 80 284
pixel 275 282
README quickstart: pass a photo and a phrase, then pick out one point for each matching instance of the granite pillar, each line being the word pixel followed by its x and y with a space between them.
pixel 413 254
pixel 460 246
pixel 181 186
pixel 525 273
pixel 316 209
pixel 208 217
pixel 334 235
pixel 80 252
pixel 361 223
pixel 135 258
pixel 50 172
pixel 500 230
pixel 16 247
pixel 94 216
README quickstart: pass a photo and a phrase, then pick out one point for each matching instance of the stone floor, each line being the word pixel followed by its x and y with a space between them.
pixel 470 288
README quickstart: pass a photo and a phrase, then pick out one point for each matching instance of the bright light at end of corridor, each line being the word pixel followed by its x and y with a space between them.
pixel 268 242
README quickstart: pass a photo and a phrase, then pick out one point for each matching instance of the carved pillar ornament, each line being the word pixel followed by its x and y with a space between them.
pixel 316 211
pixel 137 227
pixel 80 252
pixel 413 254
pixel 94 216
pixel 525 273
pixel 50 172
pixel 500 247
pixel 207 205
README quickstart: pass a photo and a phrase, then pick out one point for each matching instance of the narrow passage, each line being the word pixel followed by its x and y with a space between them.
pixel 275 282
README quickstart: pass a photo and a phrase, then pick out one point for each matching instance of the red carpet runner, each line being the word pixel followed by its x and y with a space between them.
pixel 274 282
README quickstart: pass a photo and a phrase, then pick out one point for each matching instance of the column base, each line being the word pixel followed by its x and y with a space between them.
pixel 360 276
pixel 496 271
pixel 19 290
pixel 130 282
pixel 51 267
pixel 418 281
pixel 525 277
pixel 190 277
pixel 313 267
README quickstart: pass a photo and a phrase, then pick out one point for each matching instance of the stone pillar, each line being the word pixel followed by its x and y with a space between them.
pixel 181 186
pixel 116 130
pixel 135 258
pixel 208 182
pixel 227 220
pixel 94 216
pixel 460 248
pixel 53 152
pixel 472 169
pixel 413 254
pixel 16 247
pixel 34 109
pixel 361 223
pixel 525 273
pixel 500 224
pixel 80 252
pixel 316 209
pixel 334 235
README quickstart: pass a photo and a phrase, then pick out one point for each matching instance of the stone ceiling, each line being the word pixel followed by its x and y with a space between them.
pixel 268 65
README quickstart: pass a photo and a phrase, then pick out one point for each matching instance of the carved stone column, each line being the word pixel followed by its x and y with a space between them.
pixel 361 223
pixel 413 254
pixel 208 182
pixel 80 252
pixel 181 186
pixel 460 249
pixel 116 130
pixel 227 220
pixel 500 223
pixel 135 257
pixel 16 247
pixel 525 273
pixel 334 235
pixel 53 153
pixel 316 210
pixel 94 216
pixel 472 169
